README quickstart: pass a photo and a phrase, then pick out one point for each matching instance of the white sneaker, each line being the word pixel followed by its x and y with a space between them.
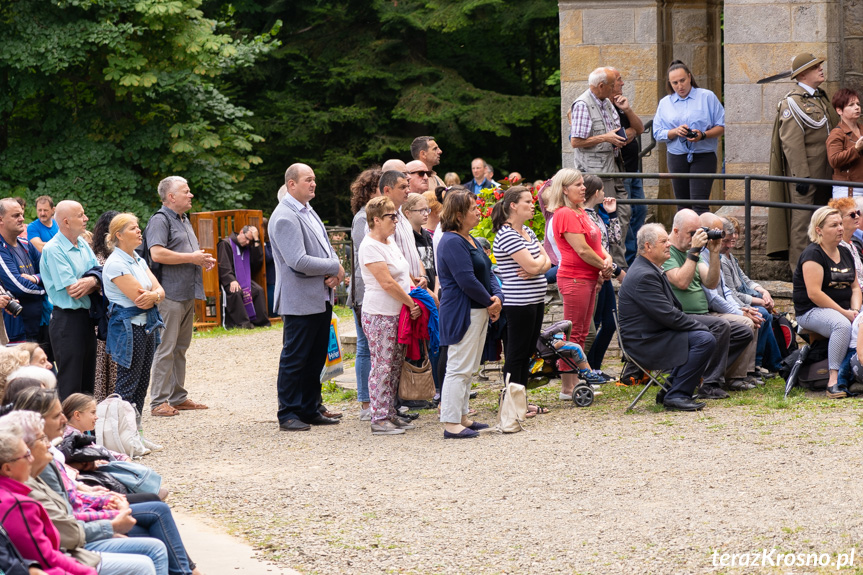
pixel 565 397
pixel 152 446
pixel 365 414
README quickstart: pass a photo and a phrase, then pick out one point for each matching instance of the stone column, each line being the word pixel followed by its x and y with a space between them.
pixel 761 39
pixel 618 33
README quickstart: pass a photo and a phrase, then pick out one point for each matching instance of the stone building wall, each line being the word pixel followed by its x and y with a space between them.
pixel 728 46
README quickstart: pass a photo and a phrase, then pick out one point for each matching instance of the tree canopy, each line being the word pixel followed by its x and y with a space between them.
pixel 100 99
pixel 103 98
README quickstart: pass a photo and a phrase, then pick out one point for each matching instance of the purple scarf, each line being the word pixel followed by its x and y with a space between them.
pixel 243 273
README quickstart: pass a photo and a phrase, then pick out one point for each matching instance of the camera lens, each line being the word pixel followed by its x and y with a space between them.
pixel 14 307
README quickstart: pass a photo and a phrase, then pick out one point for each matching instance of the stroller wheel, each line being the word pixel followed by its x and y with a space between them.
pixel 583 396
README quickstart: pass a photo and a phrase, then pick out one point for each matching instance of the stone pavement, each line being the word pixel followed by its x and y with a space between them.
pixel 217 553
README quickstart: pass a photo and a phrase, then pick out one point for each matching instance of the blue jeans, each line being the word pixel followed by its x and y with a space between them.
pixel 846 374
pixel 603 318
pixel 634 190
pixel 131 556
pixel 154 519
pixel 551 275
pixel 766 348
pixel 363 364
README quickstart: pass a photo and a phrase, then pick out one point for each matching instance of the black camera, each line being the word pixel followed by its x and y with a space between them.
pixel 691 134
pixel 14 306
pixel 714 234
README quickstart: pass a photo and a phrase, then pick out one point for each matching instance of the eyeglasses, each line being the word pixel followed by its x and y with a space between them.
pixel 44 439
pixel 855 214
pixel 426 173
pixel 393 217
pixel 28 456
pixel 424 211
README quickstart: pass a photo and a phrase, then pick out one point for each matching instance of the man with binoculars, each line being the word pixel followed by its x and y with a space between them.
pixel 689 269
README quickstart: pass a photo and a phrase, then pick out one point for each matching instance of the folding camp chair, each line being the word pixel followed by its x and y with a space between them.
pixel 653 376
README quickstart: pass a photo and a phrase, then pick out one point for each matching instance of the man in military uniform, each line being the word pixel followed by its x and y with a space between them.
pixel 804 120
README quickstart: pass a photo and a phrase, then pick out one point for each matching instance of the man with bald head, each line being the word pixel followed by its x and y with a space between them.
pixel 418 177
pixel 597 138
pixel 690 269
pixel 309 271
pixel 394 165
pixel 66 261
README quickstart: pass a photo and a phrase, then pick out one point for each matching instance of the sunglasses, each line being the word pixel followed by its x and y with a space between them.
pixel 855 214
pixel 393 217
pixel 426 173
pixel 27 455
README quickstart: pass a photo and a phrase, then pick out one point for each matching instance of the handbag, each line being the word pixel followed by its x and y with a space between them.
pixel 512 408
pixel 135 477
pixel 417 383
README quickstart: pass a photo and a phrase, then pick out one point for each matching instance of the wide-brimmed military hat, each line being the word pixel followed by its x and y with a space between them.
pixel 803 62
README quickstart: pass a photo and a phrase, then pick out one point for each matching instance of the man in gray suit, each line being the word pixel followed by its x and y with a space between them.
pixel 307 273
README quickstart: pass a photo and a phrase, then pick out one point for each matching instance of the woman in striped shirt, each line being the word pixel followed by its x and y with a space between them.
pixel 522 263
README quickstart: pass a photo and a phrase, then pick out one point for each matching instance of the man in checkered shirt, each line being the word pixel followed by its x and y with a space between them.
pixel 597 137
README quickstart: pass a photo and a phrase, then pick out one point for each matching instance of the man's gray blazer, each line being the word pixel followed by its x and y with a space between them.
pixel 302 261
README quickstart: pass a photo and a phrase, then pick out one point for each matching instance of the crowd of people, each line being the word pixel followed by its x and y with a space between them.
pixel 90 314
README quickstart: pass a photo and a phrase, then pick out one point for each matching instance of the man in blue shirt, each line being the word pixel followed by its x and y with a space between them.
pixel 19 274
pixel 43 229
pixel 479 181
pixel 66 258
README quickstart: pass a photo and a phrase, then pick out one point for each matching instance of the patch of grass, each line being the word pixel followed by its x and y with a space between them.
pixel 343 312
pixel 332 392
pixel 219 331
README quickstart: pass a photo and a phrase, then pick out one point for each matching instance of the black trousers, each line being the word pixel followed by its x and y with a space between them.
pixel 692 189
pixel 304 351
pixel 731 339
pixel 523 324
pixel 73 339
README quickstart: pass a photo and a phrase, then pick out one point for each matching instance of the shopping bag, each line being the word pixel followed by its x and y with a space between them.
pixel 334 365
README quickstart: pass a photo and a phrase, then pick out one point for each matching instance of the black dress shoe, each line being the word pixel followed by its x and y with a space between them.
pixel 321 420
pixel 660 397
pixel 681 404
pixel 294 425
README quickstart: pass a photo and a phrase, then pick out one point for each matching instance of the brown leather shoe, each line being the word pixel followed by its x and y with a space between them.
pixel 189 404
pixel 164 410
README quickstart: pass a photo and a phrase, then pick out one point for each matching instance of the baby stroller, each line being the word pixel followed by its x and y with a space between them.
pixel 551 347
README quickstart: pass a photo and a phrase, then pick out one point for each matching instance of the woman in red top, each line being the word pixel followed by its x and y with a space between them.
pixel 583 261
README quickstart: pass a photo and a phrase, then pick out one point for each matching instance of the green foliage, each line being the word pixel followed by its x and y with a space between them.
pixel 354 82
pixel 103 98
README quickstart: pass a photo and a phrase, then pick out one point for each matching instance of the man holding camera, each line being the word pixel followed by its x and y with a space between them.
pixel 688 270
pixel 19 274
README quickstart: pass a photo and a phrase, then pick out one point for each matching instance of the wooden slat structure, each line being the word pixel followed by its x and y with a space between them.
pixel 210 227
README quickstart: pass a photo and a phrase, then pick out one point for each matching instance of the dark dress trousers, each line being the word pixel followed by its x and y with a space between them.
pixel 655 331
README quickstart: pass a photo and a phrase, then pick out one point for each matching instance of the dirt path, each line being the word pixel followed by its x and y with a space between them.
pixel 581 491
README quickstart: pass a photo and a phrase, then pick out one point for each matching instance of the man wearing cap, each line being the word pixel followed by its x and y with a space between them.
pixel 804 120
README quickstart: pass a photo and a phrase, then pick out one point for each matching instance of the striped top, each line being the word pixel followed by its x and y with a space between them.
pixel 516 290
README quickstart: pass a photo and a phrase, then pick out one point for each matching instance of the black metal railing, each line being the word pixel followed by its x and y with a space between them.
pixel 748 203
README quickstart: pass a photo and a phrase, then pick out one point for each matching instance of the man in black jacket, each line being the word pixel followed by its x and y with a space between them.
pixel 655 331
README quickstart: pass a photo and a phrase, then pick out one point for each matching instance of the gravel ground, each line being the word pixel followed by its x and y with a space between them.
pixel 589 490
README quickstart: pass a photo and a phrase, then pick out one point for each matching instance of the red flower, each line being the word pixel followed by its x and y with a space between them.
pixel 498 195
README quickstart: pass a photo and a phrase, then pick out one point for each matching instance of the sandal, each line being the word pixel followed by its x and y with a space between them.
pixel 164 410
pixel 534 410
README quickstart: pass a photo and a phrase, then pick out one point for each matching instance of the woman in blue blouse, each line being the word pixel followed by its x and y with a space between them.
pixel 690 121
pixel 133 330
pixel 469 298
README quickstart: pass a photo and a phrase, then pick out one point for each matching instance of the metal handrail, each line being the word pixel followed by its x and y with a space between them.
pixel 748 203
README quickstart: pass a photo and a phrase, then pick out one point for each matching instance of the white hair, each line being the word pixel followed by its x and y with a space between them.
pixel 858 200
pixel 648 233
pixel 28 425
pixel 597 77
pixel 45 376
pixel 282 191
pixel 166 185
